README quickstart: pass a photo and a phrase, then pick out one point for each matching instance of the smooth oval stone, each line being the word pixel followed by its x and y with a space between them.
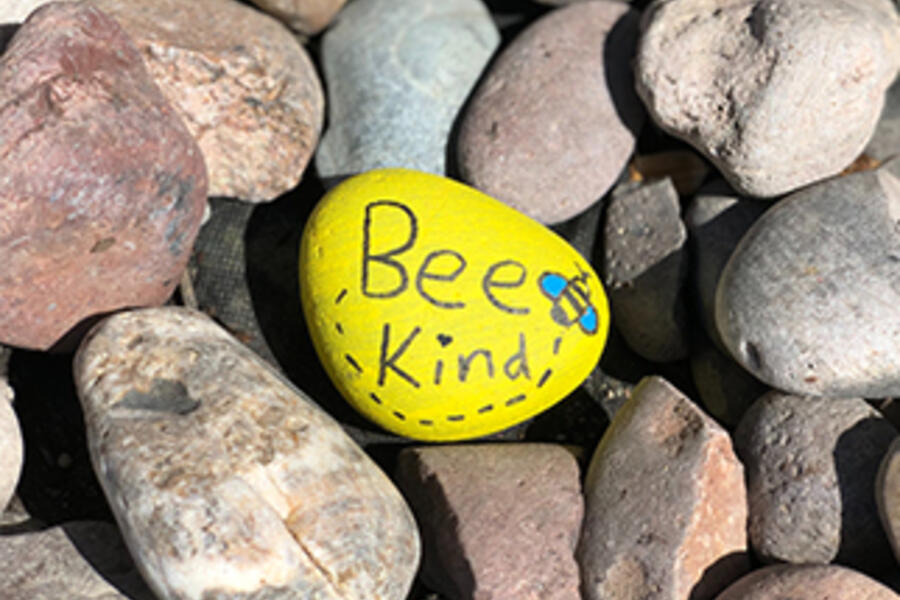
pixel 806 582
pixel 553 123
pixel 441 313
pixel 397 73
pixel 11 451
pixel 810 300
pixel 226 481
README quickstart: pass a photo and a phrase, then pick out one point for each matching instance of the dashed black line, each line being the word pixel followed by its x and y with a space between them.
pixel 340 329
pixel 486 408
pixel 515 400
pixel 340 296
pixel 375 398
pixel 399 415
pixel 456 417
pixel 353 363
pixel 426 422
pixel 556 344
pixel 544 377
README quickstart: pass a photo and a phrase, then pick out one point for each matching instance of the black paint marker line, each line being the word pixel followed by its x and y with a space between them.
pixel 340 296
pixel 515 399
pixel 426 422
pixel 340 329
pixel 353 363
pixel 556 344
pixel 544 377
pixel 485 408
pixel 399 415
pixel 455 417
pixel 375 398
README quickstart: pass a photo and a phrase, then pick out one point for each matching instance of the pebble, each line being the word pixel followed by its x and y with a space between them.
pixel 498 521
pixel 11 450
pixel 811 467
pixel 438 330
pixel 666 509
pixel 244 87
pixel 15 11
pixel 645 267
pixel 554 120
pixel 106 187
pixel 308 17
pixel 806 582
pixel 81 560
pixel 397 73
pixel 226 481
pixel 750 84
pixel 810 298
pixel 887 495
pixel 885 142
pixel 724 388
pixel 716 220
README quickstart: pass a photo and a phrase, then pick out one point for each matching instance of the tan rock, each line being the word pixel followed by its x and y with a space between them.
pixel 666 507
pixel 228 482
pixel 245 88
pixel 306 16
pixel 807 582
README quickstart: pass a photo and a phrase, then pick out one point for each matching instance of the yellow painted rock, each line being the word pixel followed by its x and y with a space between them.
pixel 441 313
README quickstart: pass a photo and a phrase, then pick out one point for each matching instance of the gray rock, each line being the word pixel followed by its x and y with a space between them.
pixel 11 450
pixel 645 266
pixel 885 142
pixel 806 582
pixel 716 219
pixel 226 481
pixel 810 300
pixel 82 560
pixel 498 521
pixel 750 83
pixel 725 388
pixel 666 509
pixel 887 495
pixel 553 123
pixel 397 72
pixel 811 466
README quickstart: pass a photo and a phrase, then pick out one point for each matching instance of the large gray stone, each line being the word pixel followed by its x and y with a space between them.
pixel 811 467
pixel 397 72
pixel 810 300
pixel 645 265
pixel 776 93
pixel 226 481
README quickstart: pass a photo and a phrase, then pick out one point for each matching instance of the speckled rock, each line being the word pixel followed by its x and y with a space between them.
pixel 810 299
pixel 498 521
pixel 807 582
pixel 716 219
pixel 811 466
pixel 82 560
pixel 397 73
pixel 305 16
pixel 11 451
pixel 226 481
pixel 750 83
pixel 885 142
pixel 726 389
pixel 553 123
pixel 101 187
pixel 666 507
pixel 887 495
pixel 645 266
pixel 245 88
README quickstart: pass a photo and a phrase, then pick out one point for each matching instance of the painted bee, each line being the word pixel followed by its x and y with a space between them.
pixel 571 300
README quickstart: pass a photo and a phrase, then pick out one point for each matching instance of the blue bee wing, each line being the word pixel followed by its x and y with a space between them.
pixel 588 320
pixel 552 284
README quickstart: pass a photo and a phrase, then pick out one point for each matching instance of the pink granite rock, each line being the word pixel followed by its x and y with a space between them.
pixel 666 506
pixel 806 582
pixel 498 521
pixel 101 186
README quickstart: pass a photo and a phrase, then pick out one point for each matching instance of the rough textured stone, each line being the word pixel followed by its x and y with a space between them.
pixel 225 480
pixel 306 16
pixel 498 521
pixel 750 83
pixel 725 388
pixel 885 142
pixel 887 495
pixel 666 507
pixel 101 187
pixel 553 123
pixel 811 466
pixel 645 266
pixel 810 300
pixel 806 582
pixel 716 219
pixel 82 560
pixel 245 88
pixel 397 73
pixel 11 453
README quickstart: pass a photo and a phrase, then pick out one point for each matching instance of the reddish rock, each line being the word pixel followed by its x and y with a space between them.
pixel 101 186
pixel 666 507
pixel 244 86
pixel 305 16
pixel 806 582
pixel 498 521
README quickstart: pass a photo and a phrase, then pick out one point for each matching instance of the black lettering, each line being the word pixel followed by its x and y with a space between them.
pixel 385 258
pixel 465 363
pixel 438 370
pixel 424 274
pixel 517 364
pixel 386 362
pixel 489 282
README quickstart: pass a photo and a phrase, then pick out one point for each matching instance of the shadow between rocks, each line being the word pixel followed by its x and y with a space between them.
pixel 618 55
pixel 720 575
pixel 7 31
pixel 104 549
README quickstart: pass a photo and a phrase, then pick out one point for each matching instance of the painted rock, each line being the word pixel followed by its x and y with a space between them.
pixel 441 313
